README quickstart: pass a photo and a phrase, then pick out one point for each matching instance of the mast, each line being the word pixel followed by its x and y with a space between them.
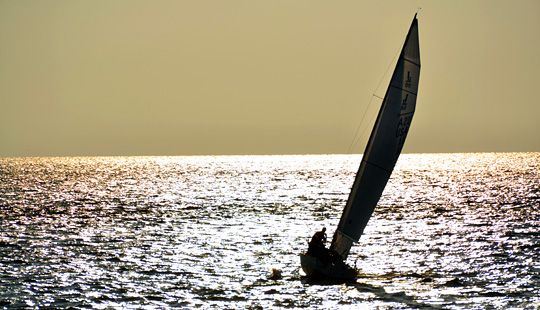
pixel 384 145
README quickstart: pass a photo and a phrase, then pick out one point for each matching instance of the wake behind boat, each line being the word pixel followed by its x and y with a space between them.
pixel 380 156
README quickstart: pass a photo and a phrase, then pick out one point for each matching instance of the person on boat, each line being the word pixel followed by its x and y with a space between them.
pixel 316 245
pixel 320 236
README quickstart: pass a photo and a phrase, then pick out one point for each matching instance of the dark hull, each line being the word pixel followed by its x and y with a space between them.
pixel 313 267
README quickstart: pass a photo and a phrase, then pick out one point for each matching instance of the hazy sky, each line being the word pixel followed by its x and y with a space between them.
pixel 179 77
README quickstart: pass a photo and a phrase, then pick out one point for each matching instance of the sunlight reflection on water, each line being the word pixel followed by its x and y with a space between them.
pixel 451 230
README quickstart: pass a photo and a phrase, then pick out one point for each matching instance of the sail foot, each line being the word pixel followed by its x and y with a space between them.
pixel 341 244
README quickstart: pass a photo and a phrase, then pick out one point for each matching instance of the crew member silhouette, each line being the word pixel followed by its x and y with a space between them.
pixel 316 245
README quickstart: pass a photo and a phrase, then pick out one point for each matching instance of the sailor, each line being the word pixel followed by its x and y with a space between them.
pixel 316 245
pixel 320 236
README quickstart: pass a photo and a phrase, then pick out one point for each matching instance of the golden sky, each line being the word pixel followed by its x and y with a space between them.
pixel 139 77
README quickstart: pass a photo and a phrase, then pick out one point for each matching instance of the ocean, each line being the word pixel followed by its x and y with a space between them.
pixel 451 231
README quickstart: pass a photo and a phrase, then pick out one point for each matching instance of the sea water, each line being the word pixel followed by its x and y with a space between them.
pixel 451 231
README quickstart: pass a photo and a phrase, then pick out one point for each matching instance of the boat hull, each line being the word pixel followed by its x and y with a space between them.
pixel 313 267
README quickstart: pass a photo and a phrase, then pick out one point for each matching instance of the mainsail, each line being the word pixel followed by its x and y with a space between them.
pixel 384 145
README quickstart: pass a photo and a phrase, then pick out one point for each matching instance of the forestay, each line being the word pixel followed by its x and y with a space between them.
pixel 384 145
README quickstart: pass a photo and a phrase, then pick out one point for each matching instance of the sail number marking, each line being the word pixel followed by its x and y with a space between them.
pixel 403 126
pixel 408 81
pixel 401 132
pixel 404 102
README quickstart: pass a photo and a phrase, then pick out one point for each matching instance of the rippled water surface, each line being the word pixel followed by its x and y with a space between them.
pixel 452 231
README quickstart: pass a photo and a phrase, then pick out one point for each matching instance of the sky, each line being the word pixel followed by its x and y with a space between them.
pixel 214 77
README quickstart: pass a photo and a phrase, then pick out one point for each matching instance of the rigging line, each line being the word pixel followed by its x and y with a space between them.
pixel 364 130
pixel 351 146
pixel 353 143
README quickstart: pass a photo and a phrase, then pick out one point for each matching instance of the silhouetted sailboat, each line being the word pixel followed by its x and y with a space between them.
pixel 380 157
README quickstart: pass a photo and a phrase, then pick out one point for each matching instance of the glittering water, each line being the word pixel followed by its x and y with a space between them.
pixel 452 231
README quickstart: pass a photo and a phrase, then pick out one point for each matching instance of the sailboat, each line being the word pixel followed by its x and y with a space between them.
pixel 380 156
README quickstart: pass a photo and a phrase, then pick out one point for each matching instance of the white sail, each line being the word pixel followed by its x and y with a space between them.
pixel 384 145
